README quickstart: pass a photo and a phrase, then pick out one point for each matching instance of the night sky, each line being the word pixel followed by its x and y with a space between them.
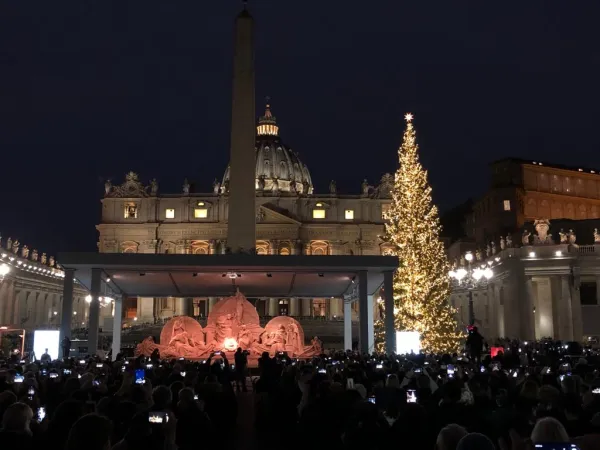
pixel 92 89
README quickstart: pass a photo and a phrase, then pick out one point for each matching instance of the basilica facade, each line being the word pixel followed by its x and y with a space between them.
pixel 291 218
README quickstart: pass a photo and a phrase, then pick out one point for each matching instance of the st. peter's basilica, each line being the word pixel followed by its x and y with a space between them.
pixel 291 218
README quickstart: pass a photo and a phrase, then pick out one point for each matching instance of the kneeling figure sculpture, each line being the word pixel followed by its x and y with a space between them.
pixel 232 323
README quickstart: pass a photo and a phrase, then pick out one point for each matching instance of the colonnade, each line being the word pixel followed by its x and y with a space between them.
pixel 32 304
pixel 527 307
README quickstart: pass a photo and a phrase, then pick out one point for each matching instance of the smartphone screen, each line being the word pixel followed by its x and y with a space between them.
pixel 53 375
pixel 140 376
pixel 67 371
pixel 19 378
pixel 371 399
pixel 41 414
pixel 411 396
pixel 556 446
pixel 450 371
pixel 156 417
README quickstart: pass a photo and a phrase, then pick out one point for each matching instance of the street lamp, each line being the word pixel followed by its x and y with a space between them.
pixel 470 278
pixel 4 269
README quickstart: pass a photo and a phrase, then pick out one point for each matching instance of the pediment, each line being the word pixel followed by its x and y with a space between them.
pixel 267 215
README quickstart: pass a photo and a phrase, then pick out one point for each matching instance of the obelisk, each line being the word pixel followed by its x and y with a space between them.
pixel 241 230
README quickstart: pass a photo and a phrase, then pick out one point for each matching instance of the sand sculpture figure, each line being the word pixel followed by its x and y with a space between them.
pixel 232 323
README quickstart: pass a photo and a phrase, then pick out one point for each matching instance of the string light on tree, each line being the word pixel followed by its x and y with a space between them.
pixel 421 283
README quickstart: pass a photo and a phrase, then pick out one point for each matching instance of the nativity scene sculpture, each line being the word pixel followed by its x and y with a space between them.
pixel 232 323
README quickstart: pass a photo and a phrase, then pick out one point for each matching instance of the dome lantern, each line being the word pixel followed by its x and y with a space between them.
pixel 278 168
pixel 267 124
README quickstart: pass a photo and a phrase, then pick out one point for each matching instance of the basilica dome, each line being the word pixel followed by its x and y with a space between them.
pixel 278 168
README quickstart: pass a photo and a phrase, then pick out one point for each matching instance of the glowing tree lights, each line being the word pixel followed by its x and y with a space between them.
pixel 421 283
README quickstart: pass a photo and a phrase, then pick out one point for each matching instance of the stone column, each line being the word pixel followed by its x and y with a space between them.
pixel 577 324
pixel 29 308
pixel 273 304
pixel 9 302
pixel 363 312
pixel 528 322
pixel 189 307
pixel 307 307
pixel 117 326
pixel 180 306
pixel 334 310
pixel 293 247
pixel 347 325
pixel 294 306
pixel 3 301
pixel 66 314
pixel 370 324
pixel 499 311
pixel 94 320
pixel 212 301
pixel 306 248
pixel 145 309
pixel 566 314
pixel 390 328
pixel 543 309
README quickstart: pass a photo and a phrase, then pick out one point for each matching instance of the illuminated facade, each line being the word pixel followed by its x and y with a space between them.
pixel 523 191
pixel 537 291
pixel 32 287
pixel 538 227
pixel 290 219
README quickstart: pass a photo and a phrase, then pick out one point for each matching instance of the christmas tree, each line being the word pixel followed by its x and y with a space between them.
pixel 421 283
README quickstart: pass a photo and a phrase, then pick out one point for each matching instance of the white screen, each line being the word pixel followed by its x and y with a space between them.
pixel 407 342
pixel 46 339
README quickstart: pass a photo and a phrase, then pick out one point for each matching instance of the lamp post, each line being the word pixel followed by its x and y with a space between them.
pixel 470 278
pixel 4 269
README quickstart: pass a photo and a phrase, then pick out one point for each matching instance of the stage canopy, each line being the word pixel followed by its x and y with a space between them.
pixel 163 275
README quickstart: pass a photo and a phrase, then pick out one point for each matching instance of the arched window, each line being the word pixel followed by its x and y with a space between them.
pixel 319 248
pixel 129 247
pixel 262 247
pixel 284 251
pixel 283 170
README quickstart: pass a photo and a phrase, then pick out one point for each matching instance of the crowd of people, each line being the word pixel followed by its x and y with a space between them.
pixel 530 394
